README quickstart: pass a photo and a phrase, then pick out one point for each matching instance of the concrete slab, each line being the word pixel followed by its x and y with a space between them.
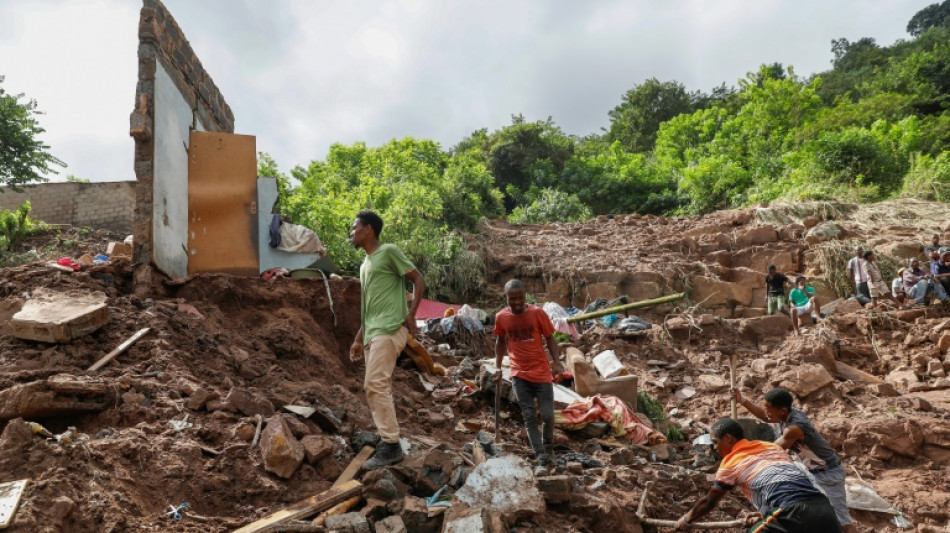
pixel 503 484
pixel 60 317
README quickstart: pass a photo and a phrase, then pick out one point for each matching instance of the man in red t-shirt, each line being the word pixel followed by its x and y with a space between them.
pixel 520 329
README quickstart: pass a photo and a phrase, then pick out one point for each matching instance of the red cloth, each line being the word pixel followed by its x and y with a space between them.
pixel 525 334
pixel 432 309
pixel 623 422
pixel 68 262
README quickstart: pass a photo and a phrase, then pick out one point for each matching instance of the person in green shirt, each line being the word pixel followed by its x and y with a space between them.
pixel 385 325
pixel 804 302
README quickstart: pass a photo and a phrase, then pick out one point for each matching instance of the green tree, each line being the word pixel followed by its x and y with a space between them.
pixel 267 168
pixel 932 16
pixel 551 205
pixel 636 120
pixel 24 158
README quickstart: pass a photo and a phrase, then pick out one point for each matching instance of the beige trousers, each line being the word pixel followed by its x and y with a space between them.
pixel 381 357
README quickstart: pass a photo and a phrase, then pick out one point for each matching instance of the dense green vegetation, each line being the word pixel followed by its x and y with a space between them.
pixel 24 159
pixel 874 126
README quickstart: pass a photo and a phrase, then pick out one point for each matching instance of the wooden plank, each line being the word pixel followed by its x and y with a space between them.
pixel 115 353
pixel 478 453
pixel 10 494
pixel 304 508
pixel 354 467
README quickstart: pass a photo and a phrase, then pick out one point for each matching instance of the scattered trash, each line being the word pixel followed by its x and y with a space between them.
pixel 300 410
pixel 608 365
pixel 685 393
pixel 587 461
pixel 703 440
pixel 861 496
pixel 175 512
pixel 39 430
pixel 440 499
pixel 180 425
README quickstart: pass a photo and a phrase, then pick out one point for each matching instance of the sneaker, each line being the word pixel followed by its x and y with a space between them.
pixel 545 460
pixel 387 453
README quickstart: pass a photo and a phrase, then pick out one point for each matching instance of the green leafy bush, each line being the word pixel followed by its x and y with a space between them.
pixel 16 224
pixel 551 205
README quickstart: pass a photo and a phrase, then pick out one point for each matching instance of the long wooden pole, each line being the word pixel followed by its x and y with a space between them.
pixel 115 353
pixel 642 515
pixel 732 384
pixel 627 307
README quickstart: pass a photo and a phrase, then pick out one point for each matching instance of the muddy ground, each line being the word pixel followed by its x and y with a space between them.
pixel 223 349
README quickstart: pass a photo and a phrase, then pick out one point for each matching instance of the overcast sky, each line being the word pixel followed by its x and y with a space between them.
pixel 303 74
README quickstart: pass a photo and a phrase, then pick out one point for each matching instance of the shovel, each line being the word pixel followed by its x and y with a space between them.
pixel 497 408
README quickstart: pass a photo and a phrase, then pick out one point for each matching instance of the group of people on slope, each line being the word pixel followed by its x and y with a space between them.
pixel 913 284
pixel 804 302
pixel 788 497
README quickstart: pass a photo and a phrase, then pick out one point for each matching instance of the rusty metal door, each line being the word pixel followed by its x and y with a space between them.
pixel 222 203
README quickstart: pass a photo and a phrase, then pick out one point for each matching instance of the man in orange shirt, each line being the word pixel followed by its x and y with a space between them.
pixel 786 499
pixel 522 331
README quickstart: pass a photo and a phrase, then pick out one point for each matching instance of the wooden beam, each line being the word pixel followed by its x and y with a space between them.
pixel 304 508
pixel 122 347
pixel 349 473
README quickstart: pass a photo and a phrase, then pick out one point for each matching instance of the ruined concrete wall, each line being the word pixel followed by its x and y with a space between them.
pixel 174 95
pixel 101 205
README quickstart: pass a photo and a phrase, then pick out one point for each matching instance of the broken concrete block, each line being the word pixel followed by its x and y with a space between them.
pixel 119 249
pixel 461 518
pixel 712 383
pixel 59 317
pixel 282 452
pixel 249 403
pixel 556 489
pixel 381 484
pixel 504 484
pixel 317 447
pixel 885 389
pixel 347 523
pixel 392 524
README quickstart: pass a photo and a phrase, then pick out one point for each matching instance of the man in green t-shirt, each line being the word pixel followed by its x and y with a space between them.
pixel 804 302
pixel 385 326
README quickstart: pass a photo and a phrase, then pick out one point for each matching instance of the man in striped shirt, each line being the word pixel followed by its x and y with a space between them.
pixel 785 498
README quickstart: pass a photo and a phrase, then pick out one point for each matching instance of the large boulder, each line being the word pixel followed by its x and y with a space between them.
pixel 825 231
pixel 282 452
pixel 710 292
pixel 805 379
pixel 503 484
pixel 776 325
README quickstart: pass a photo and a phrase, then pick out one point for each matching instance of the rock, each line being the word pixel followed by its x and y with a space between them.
pixel 133 398
pixel 327 421
pixel 762 366
pixel 712 383
pixel 392 524
pixel 282 452
pixel 622 456
pixel 901 437
pixel 375 510
pixel 504 484
pixel 361 439
pixel 934 365
pixel 810 221
pixel 944 342
pixel 347 523
pixel 942 383
pixel 921 404
pixel 437 467
pixel 199 398
pixel 806 379
pixel 903 250
pixel 381 484
pixel 711 292
pixel 417 517
pixel 61 508
pixel 556 489
pixel 902 379
pixel 298 428
pixel 462 518
pixel 824 231
pixel 59 316
pixel 685 393
pixel 884 389
pixel 756 236
pixel 766 326
pixel 316 447
pixel 249 403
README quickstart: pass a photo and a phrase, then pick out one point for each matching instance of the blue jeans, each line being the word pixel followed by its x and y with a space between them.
pixel 919 291
pixel 527 392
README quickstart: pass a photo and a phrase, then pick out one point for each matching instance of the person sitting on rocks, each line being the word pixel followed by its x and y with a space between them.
pixel 804 302
pixel 856 272
pixel 919 285
pixel 940 269
pixel 776 282
pixel 800 436
pixel 786 499
pixel 934 246
pixel 876 283
pixel 897 287
pixel 522 332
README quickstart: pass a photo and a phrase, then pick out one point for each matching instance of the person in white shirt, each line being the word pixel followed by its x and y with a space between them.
pixel 856 272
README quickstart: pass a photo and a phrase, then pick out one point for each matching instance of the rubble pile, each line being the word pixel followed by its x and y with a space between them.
pixel 240 402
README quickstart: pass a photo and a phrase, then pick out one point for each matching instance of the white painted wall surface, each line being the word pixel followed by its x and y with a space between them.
pixel 173 121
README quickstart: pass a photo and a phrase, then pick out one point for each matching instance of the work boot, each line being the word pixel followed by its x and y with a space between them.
pixel 387 453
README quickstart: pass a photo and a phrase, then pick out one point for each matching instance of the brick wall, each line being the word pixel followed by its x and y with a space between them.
pixel 161 41
pixel 101 205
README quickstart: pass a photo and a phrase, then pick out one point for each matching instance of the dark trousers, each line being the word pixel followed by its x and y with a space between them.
pixel 527 392
pixel 864 293
pixel 815 515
